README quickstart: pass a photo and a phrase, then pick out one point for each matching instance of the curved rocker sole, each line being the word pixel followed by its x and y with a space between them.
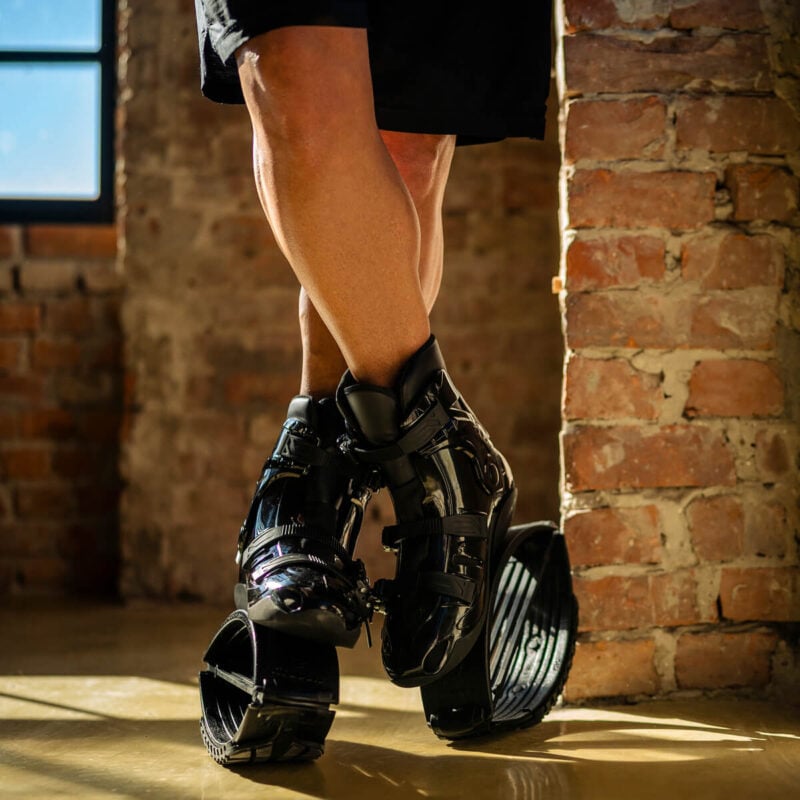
pixel 266 696
pixel 518 668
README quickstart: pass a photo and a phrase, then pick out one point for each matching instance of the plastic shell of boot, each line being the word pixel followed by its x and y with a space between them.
pixel 518 668
pixel 266 696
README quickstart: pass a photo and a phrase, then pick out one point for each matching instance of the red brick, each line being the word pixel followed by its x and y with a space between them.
pixel 598 15
pixel 722 660
pixel 674 599
pixel 610 389
pixel 766 530
pixel 720 320
pixel 620 603
pixel 732 260
pixel 71 315
pixel 85 241
pixel 722 529
pixel 593 129
pixel 772 453
pixel 604 536
pixel 604 14
pixel 6 241
pixel 47 423
pixel 21 388
pixel 760 125
pixel 44 501
pixel 669 200
pixel 762 192
pixel 612 669
pixel 766 593
pixel 625 319
pixel 646 457
pixel 734 388
pixel 735 320
pixel 666 64
pixel 55 353
pixel 738 16
pixel 25 463
pixel 716 525
pixel 618 261
pixel 19 317
pixel 614 602
pixel 11 351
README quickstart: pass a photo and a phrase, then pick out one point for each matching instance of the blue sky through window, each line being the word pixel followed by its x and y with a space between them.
pixel 50 112
pixel 50 25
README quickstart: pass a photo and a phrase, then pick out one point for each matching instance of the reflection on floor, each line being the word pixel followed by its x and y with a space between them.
pixel 101 702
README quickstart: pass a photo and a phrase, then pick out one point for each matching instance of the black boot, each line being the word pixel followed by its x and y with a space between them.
pixel 296 571
pixel 453 495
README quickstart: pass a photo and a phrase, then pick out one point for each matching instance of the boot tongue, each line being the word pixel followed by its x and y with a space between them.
pixel 417 373
pixel 374 410
pixel 321 416
pixel 304 409
pixel 378 411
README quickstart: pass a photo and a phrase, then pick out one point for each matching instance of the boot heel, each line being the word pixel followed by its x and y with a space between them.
pixel 266 696
pixel 518 667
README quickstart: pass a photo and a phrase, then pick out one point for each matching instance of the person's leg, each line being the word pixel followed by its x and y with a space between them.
pixel 423 161
pixel 334 198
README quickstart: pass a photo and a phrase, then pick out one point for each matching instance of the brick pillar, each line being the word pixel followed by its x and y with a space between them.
pixel 680 266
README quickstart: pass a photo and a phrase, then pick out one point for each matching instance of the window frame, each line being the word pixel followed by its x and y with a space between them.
pixel 101 209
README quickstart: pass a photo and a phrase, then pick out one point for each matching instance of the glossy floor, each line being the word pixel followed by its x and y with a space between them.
pixel 102 702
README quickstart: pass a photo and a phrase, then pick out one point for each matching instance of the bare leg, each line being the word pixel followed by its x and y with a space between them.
pixel 323 362
pixel 424 164
pixel 423 161
pixel 335 200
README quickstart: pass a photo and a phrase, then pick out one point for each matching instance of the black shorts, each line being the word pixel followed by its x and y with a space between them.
pixel 480 71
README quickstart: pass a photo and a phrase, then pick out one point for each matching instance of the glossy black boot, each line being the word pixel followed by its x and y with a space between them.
pixel 453 495
pixel 296 571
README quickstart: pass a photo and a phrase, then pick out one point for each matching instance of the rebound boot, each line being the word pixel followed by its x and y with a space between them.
pixel 296 571
pixel 453 495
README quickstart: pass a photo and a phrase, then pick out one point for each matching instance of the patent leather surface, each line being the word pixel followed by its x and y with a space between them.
pixel 453 493
pixel 295 574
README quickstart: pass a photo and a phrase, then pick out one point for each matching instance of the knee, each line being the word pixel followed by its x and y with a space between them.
pixel 305 87
pixel 421 158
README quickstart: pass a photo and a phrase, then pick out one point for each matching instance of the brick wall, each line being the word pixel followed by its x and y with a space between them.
pixel 681 259
pixel 60 402
pixel 212 345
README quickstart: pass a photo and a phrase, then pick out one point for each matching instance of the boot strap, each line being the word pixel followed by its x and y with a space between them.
pixel 458 587
pixel 455 586
pixel 269 536
pixel 433 421
pixel 300 451
pixel 304 560
pixel 467 525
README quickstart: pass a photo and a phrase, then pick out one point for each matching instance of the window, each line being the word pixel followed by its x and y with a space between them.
pixel 57 85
